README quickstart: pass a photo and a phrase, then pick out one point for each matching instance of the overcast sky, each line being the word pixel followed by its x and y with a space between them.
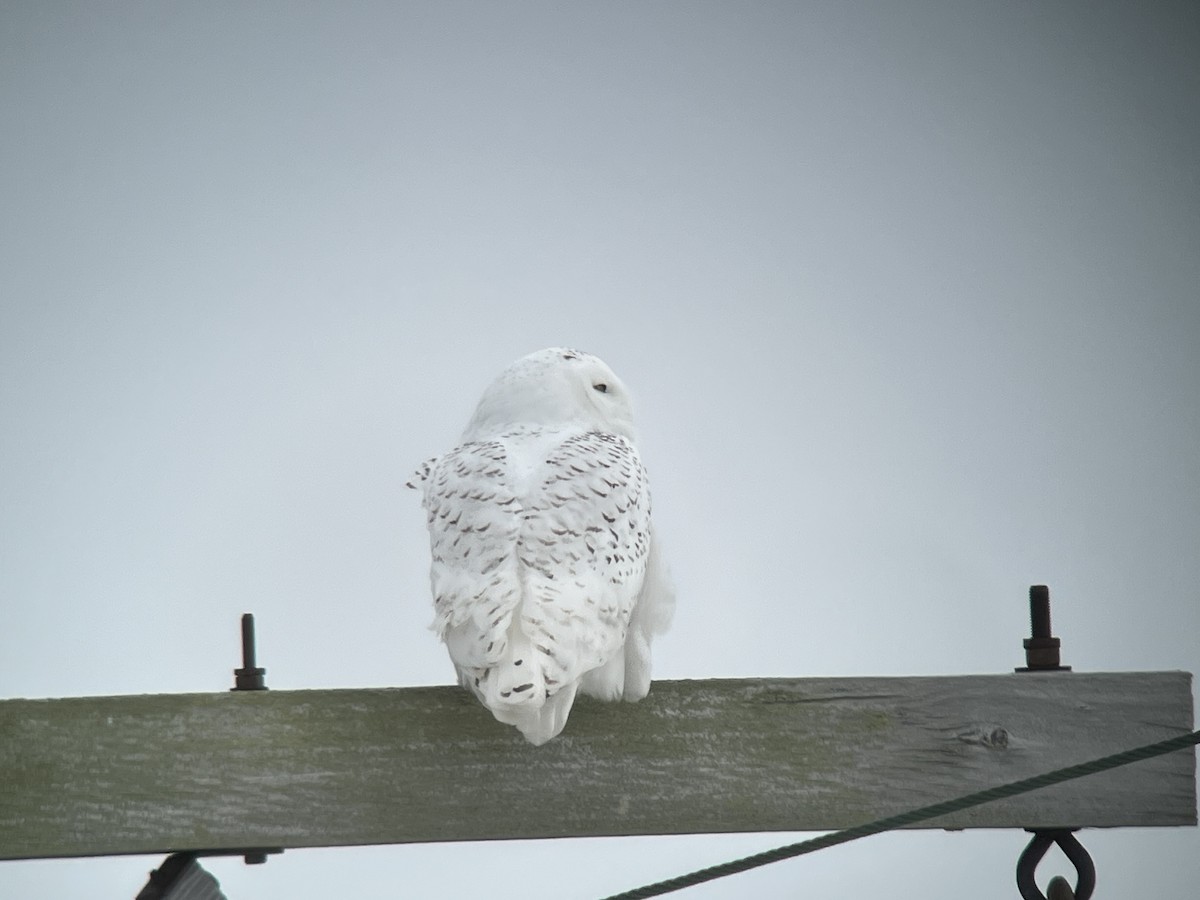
pixel 907 294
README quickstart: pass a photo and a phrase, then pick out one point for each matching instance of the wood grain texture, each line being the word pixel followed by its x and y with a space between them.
pixel 150 774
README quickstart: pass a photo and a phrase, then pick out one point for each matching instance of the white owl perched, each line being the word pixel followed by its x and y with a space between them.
pixel 547 578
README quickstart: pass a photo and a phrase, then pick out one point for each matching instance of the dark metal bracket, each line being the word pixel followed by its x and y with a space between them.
pixel 1042 655
pixel 181 877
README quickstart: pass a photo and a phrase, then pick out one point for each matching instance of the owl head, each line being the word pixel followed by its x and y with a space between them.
pixel 551 388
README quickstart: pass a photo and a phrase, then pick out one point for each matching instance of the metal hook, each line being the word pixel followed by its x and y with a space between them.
pixel 1085 869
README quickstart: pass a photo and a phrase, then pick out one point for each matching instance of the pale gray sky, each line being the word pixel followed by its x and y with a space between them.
pixel 907 294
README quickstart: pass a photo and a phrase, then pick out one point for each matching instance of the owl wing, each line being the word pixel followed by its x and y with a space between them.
pixel 584 546
pixel 474 520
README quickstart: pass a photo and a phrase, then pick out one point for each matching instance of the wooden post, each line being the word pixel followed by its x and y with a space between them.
pixel 238 770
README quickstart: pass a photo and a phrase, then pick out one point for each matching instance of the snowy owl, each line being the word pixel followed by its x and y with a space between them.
pixel 547 578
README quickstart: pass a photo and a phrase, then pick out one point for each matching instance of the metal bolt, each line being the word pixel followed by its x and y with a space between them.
pixel 249 677
pixel 1039 610
pixel 1041 649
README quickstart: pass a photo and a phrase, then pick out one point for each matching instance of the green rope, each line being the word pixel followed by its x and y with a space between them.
pixel 1012 789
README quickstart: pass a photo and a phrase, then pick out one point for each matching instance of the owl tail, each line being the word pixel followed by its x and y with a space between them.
pixel 516 692
pixel 515 681
pixel 551 718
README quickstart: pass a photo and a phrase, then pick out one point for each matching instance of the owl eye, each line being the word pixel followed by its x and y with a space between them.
pixel 601 387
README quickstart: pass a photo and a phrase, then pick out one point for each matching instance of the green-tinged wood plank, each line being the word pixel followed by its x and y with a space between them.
pixel 148 774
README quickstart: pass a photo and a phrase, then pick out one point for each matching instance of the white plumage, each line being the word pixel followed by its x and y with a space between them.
pixel 547 578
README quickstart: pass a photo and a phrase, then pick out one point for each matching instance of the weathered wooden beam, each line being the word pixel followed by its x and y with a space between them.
pixel 149 774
